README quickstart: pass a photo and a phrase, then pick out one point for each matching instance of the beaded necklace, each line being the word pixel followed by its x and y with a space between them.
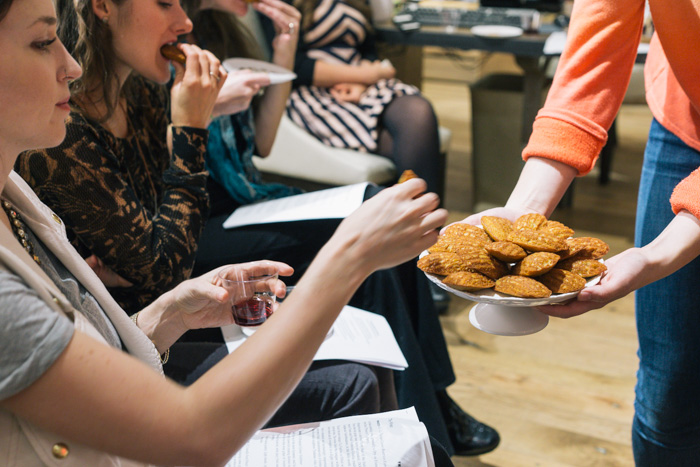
pixel 20 230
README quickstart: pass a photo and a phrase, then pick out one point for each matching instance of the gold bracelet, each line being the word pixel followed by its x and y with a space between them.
pixel 163 357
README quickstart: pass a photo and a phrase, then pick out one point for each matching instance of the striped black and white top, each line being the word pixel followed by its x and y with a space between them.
pixel 339 34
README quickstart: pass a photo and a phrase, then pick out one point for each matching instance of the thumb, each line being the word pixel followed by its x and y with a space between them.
pixel 212 292
pixel 179 71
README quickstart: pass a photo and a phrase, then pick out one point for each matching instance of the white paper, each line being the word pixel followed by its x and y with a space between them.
pixel 357 335
pixel 395 438
pixel 333 203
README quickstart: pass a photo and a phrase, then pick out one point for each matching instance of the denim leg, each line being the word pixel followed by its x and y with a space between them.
pixel 666 428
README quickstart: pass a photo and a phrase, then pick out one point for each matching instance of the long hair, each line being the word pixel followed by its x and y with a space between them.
pixel 222 33
pixel 4 8
pixel 89 41
pixel 307 7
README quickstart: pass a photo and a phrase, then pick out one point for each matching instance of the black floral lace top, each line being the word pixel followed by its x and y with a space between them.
pixel 129 201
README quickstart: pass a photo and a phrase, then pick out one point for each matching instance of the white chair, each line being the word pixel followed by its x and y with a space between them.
pixel 297 154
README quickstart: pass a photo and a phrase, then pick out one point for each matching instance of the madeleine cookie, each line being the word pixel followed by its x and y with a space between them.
pixel 584 267
pixel 505 251
pixel 468 281
pixel 588 247
pixel 536 240
pixel 558 229
pixel 480 261
pixel 521 286
pixel 498 228
pixel 407 175
pixel 442 263
pixel 531 221
pixel 472 232
pixel 535 264
pixel 562 281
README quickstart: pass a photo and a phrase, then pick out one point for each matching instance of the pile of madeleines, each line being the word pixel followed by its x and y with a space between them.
pixel 532 257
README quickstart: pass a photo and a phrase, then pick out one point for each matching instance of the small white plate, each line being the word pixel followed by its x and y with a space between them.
pixel 277 73
pixel 489 31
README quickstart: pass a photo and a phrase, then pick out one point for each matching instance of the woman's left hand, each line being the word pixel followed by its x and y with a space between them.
pixel 238 91
pixel 626 273
pixel 203 302
pixel 286 20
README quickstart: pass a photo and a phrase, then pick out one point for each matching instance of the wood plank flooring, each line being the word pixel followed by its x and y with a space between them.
pixel 563 396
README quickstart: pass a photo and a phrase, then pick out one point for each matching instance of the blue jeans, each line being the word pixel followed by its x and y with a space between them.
pixel 666 428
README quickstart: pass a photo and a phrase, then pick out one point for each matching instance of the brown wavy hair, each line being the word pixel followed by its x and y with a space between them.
pixel 307 7
pixel 222 33
pixel 89 41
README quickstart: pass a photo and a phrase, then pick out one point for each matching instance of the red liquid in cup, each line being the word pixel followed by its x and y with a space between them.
pixel 252 312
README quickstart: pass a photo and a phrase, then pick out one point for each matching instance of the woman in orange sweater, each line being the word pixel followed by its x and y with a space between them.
pixel 567 136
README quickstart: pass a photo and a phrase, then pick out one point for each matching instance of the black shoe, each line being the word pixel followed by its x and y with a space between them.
pixel 469 436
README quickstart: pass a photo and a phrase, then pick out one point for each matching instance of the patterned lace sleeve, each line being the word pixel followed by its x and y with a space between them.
pixel 145 226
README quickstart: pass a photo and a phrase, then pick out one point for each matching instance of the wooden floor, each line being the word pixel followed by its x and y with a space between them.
pixel 563 396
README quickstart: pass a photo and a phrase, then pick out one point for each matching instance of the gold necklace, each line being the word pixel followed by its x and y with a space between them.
pixel 20 230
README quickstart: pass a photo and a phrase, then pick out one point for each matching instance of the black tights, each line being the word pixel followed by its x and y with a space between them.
pixel 408 135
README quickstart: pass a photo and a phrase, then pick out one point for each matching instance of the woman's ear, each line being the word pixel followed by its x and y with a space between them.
pixel 101 8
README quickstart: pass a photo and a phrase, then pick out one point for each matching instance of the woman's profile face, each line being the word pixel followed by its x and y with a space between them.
pixel 140 28
pixel 35 70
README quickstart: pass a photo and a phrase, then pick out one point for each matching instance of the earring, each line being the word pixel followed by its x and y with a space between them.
pixel 104 19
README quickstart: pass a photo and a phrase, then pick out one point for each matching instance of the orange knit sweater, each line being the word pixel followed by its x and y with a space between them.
pixel 594 72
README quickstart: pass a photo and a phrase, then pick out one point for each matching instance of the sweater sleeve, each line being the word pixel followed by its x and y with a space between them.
pixel 149 238
pixel 590 83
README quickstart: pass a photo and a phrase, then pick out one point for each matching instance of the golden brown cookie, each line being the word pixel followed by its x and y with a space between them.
pixel 588 247
pixel 558 229
pixel 468 281
pixel 459 245
pixel 531 221
pixel 584 267
pixel 171 52
pixel 480 261
pixel 535 264
pixel 505 251
pixel 442 263
pixel 467 230
pixel 562 281
pixel 407 175
pixel 498 228
pixel 536 240
pixel 521 286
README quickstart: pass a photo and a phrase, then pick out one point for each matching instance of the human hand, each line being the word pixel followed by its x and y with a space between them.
pixel 348 92
pixel 108 277
pixel 376 70
pixel 203 302
pixel 392 227
pixel 195 87
pixel 238 91
pixel 626 272
pixel 286 20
